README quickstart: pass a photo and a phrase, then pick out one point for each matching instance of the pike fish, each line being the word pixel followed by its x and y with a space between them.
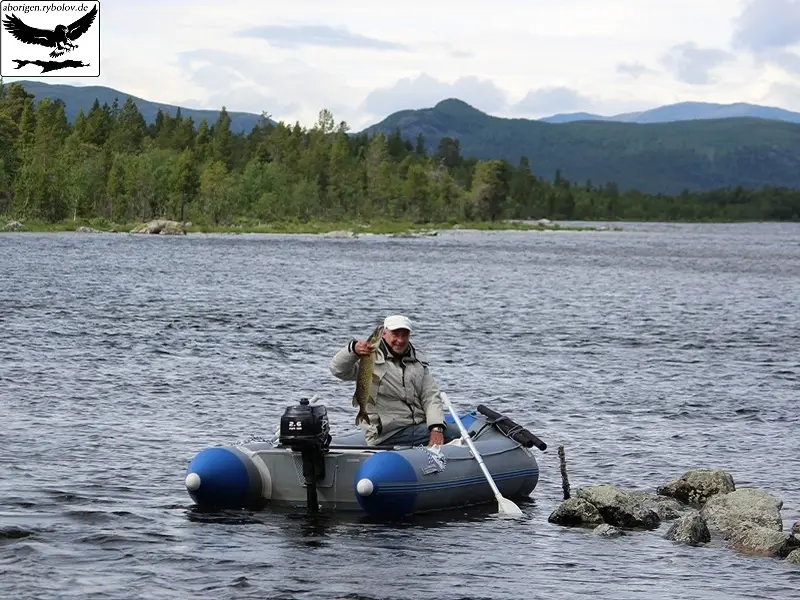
pixel 366 368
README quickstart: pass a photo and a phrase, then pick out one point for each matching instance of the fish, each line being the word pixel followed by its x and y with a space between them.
pixel 366 369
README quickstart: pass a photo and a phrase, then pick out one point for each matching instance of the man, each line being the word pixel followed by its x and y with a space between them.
pixel 408 410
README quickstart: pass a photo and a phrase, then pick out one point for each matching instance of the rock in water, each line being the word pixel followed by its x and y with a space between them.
pixel 697 486
pixel 620 508
pixel 727 511
pixel 765 541
pixel 576 512
pixel 690 529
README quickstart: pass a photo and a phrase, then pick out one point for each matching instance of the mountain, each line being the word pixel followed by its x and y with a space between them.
pixel 666 158
pixel 578 116
pixel 82 97
pixel 685 111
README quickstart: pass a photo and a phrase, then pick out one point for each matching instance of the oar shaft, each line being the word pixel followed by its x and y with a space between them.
pixel 466 437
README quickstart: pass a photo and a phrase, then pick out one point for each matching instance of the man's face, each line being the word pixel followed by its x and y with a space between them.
pixel 397 339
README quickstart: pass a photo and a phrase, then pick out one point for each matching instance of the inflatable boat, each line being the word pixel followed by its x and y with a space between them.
pixel 303 465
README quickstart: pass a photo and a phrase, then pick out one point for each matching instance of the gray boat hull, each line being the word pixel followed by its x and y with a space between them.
pixel 385 483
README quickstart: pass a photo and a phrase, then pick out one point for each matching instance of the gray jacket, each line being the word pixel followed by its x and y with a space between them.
pixel 404 390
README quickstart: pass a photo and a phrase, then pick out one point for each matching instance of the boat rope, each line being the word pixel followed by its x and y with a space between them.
pixel 509 433
pixel 469 456
pixel 436 461
pixel 253 439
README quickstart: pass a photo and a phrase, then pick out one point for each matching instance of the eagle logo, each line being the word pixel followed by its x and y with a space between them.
pixel 61 38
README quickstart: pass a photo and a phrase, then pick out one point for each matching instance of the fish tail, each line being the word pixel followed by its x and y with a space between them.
pixel 362 416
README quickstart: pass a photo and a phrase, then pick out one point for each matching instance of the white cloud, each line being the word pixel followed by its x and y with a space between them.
pixel 784 95
pixel 424 91
pixel 282 87
pixel 695 65
pixel 789 61
pixel 769 32
pixel 365 60
pixel 318 35
pixel 547 101
pixel 768 24
pixel 634 69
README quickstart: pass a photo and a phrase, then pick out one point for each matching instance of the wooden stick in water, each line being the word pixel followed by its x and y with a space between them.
pixel 564 479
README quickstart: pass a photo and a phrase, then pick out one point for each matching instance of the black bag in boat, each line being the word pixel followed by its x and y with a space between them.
pixel 511 429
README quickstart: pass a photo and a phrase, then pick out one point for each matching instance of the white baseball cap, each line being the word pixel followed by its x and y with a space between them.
pixel 397 322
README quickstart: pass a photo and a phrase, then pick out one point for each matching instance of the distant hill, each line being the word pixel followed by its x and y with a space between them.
pixel 685 111
pixel 82 97
pixel 699 154
pixel 578 116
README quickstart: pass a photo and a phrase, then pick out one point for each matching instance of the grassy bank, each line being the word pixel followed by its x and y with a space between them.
pixel 37 226
pixel 317 227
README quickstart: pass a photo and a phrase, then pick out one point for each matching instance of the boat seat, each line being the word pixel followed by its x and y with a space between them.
pixel 355 438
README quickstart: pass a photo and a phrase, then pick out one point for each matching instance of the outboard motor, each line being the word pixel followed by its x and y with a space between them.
pixel 305 429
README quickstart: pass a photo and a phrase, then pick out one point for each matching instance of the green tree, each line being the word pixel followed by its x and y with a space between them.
pixel 378 170
pixel 419 148
pixel 98 125
pixel 115 189
pixel 417 193
pixel 449 152
pixel 14 101
pixel 221 143
pixel 490 189
pixel 128 129
pixel 212 193
pixel 185 182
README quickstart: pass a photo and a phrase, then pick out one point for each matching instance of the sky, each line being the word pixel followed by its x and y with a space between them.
pixel 364 60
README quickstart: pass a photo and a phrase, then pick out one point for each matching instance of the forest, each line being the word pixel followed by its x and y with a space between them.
pixel 109 164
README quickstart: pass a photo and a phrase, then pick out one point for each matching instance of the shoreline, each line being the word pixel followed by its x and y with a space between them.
pixel 326 228
pixel 339 229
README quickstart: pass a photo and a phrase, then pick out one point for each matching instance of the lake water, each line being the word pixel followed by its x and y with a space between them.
pixel 645 353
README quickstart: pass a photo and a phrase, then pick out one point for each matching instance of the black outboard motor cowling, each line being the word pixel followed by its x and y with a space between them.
pixel 305 429
pixel 305 426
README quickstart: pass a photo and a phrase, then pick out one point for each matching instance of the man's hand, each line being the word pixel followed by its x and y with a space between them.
pixel 436 439
pixel 362 348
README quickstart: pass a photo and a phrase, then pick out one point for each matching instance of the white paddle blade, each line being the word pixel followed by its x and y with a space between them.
pixel 507 507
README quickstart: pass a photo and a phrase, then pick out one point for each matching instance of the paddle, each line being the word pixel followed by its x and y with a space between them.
pixel 504 505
